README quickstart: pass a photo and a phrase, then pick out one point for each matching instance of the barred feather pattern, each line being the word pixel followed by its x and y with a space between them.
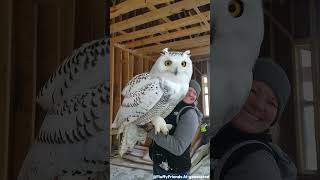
pixel 73 139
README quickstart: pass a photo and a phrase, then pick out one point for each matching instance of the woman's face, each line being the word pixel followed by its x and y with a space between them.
pixel 191 96
pixel 259 111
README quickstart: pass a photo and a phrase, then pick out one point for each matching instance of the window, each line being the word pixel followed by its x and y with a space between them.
pixel 305 109
pixel 205 95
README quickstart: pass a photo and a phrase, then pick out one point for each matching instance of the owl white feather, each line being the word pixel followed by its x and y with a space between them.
pixel 237 32
pixel 150 97
pixel 73 141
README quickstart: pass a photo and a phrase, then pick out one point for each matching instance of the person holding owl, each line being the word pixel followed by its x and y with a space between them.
pixel 171 153
pixel 243 148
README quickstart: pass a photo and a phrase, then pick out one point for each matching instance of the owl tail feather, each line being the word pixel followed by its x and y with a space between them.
pixel 124 144
pixel 131 135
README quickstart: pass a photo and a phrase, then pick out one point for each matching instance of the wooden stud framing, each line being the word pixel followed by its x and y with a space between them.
pixel 128 6
pixel 117 81
pixel 177 34
pixel 112 79
pixel 125 68
pixel 154 15
pixel 178 45
pixel 131 66
pixel 5 83
pixel 145 65
pixel 159 28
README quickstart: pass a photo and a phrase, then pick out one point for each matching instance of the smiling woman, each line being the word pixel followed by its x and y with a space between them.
pixel 259 111
pixel 244 144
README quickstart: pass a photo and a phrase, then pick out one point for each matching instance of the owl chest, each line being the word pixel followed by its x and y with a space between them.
pixel 162 109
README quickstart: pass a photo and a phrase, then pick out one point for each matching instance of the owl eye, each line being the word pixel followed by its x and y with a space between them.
pixel 167 63
pixel 235 8
pixel 183 64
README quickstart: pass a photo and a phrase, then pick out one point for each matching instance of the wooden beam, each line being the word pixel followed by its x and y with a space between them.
pixel 196 53
pixel 145 65
pixel 131 5
pixel 200 60
pixel 125 68
pixel 201 52
pixel 280 26
pixel 117 81
pixel 203 18
pixel 130 164
pixel 112 79
pixel 140 65
pixel 160 28
pixel 168 36
pixel 315 35
pixel 153 8
pixel 137 159
pixel 131 66
pixel 5 83
pixel 183 44
pixel 134 52
pixel 196 69
pixel 158 14
pixel 136 65
pixel 200 49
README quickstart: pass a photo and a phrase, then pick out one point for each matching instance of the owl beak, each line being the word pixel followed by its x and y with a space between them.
pixel 176 71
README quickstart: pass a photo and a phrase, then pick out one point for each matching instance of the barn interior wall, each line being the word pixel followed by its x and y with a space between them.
pixel 5 82
pixel 291 24
pixel 44 33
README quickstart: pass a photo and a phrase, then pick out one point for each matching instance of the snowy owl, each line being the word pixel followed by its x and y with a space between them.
pixel 150 97
pixel 237 32
pixel 73 138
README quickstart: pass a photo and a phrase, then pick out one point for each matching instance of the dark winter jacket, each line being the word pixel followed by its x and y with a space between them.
pixel 238 155
pixel 172 151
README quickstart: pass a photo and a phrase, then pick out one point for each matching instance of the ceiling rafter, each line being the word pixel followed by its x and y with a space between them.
pixel 178 25
pixel 156 14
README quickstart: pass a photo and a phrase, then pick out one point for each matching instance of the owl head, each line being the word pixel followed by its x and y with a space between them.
pixel 238 27
pixel 174 65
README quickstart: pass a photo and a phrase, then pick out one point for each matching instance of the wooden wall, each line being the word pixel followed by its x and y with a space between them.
pixel 5 82
pixel 124 65
pixel 35 38
pixel 288 23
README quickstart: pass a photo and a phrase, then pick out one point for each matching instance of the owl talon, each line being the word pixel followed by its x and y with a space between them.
pixel 160 125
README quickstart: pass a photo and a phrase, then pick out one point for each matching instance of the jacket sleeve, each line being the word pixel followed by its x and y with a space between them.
pixel 182 137
pixel 258 165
